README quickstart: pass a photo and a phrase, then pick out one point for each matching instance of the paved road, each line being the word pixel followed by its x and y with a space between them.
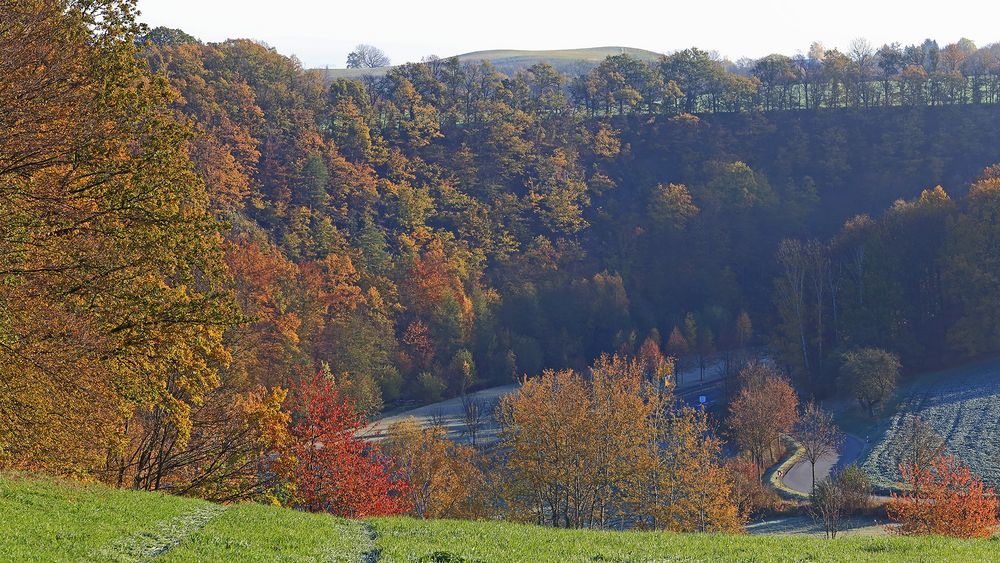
pixel 448 413
pixel 799 477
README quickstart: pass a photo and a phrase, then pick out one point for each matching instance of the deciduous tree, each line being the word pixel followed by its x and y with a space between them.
pixel 944 499
pixel 444 478
pixel 816 432
pixel 367 56
pixel 870 375
pixel 764 409
pixel 336 471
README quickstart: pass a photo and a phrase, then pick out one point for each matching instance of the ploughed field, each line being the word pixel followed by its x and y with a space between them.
pixel 962 405
pixel 45 520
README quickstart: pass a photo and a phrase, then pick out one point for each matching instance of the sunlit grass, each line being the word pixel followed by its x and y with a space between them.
pixel 405 539
pixel 45 520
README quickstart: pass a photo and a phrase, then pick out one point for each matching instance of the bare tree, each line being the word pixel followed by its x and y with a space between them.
pixel 791 295
pixel 863 56
pixel 920 443
pixel 817 434
pixel 438 418
pixel 367 56
pixel 839 495
pixel 829 505
pixel 474 413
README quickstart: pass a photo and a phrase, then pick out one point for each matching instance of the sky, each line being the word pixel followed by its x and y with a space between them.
pixel 321 34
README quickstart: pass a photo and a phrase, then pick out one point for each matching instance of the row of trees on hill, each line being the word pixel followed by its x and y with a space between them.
pixel 693 80
pixel 697 81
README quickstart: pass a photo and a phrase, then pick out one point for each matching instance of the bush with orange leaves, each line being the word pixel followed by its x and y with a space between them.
pixel 944 499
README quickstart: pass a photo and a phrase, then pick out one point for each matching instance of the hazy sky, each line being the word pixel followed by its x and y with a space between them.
pixel 322 33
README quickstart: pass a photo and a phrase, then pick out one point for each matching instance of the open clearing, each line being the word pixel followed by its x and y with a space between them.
pixel 962 405
pixel 47 520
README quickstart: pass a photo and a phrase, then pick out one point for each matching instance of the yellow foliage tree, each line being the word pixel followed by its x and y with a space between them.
pixel 445 481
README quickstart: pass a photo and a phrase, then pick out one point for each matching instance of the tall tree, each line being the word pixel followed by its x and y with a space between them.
pixel 114 310
pixel 765 408
pixel 336 471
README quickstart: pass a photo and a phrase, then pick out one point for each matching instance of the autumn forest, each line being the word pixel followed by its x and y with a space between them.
pixel 217 267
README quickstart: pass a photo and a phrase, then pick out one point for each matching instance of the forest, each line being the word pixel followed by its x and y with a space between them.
pixel 213 260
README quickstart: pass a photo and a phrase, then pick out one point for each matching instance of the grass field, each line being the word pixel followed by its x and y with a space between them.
pixel 961 404
pixel 45 520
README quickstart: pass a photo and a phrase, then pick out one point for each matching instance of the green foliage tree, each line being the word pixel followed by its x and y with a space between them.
pixel 871 376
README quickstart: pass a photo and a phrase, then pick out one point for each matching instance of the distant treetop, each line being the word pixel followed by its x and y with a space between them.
pixel 367 56
pixel 167 37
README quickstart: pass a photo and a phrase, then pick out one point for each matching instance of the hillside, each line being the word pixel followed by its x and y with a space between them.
pixel 50 521
pixel 959 404
pixel 570 61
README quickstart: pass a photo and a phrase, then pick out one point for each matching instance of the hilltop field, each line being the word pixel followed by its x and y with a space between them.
pixel 47 520
pixel 573 61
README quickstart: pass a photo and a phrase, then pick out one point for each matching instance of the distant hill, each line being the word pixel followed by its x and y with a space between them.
pixel 570 61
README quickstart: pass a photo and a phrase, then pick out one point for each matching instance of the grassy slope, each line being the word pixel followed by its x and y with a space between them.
pixel 960 404
pixel 59 521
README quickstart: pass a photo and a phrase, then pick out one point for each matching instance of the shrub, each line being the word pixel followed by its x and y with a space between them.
pixel 857 488
pixel 945 499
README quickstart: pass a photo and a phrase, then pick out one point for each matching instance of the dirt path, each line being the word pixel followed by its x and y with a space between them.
pixel 799 477
pixel 372 554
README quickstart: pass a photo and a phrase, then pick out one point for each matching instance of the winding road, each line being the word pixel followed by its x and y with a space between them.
pixel 799 477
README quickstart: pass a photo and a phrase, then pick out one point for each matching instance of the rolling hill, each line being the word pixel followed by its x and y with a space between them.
pixel 570 61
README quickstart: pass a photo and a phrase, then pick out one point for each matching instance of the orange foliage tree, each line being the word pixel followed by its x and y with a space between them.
pixel 112 313
pixel 582 451
pixel 765 408
pixel 944 499
pixel 694 492
pixel 574 445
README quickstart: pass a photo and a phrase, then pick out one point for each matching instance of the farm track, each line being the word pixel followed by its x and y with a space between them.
pixel 373 554
pixel 169 533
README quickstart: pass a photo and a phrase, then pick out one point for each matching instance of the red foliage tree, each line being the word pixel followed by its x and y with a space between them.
pixel 944 499
pixel 335 470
